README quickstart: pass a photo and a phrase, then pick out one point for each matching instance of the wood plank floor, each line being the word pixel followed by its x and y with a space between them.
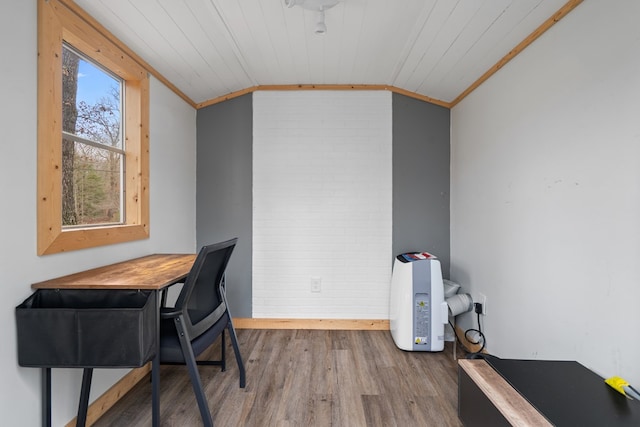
pixel 307 378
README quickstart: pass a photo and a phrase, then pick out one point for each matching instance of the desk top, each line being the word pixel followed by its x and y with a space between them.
pixel 149 272
pixel 567 393
pixel 511 404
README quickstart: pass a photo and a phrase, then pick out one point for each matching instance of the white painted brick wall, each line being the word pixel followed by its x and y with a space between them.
pixel 322 203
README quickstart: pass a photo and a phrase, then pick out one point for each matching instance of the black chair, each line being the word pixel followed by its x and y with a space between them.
pixel 200 315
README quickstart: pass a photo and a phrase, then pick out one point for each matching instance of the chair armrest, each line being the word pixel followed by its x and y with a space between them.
pixel 170 312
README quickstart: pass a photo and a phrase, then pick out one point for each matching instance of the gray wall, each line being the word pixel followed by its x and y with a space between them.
pixel 224 188
pixel 224 184
pixel 421 157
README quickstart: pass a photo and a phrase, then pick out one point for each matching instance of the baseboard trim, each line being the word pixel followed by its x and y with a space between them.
pixel 327 324
pixel 102 404
pixel 473 348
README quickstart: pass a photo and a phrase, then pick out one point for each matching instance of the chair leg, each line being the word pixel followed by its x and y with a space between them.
pixel 192 366
pixel 236 350
pixel 223 352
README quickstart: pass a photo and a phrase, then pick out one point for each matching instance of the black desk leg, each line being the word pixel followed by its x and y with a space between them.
pixel 155 391
pixel 46 397
pixel 155 370
pixel 81 420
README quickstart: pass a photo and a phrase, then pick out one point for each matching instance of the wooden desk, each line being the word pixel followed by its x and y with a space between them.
pixel 152 272
pixel 149 272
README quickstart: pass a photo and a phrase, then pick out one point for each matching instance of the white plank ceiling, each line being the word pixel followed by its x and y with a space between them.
pixel 210 48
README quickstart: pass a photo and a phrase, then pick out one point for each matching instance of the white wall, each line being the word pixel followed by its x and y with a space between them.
pixel 545 202
pixel 321 204
pixel 172 201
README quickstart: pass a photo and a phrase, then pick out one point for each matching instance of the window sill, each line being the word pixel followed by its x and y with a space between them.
pixel 71 240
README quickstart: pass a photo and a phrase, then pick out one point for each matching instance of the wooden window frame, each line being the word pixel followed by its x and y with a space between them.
pixel 58 22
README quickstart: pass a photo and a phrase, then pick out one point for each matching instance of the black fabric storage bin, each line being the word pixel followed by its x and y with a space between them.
pixel 87 328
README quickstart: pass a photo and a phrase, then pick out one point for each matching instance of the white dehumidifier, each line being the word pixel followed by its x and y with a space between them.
pixel 417 310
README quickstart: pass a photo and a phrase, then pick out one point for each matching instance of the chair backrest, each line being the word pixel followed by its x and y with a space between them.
pixel 201 298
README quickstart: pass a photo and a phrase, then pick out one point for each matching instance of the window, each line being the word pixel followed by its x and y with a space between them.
pixel 92 149
pixel 93 103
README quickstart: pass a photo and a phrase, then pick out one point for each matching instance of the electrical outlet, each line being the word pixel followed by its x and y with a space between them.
pixel 316 284
pixel 482 299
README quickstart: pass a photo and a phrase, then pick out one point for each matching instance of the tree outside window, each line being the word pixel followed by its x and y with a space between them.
pixel 92 153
